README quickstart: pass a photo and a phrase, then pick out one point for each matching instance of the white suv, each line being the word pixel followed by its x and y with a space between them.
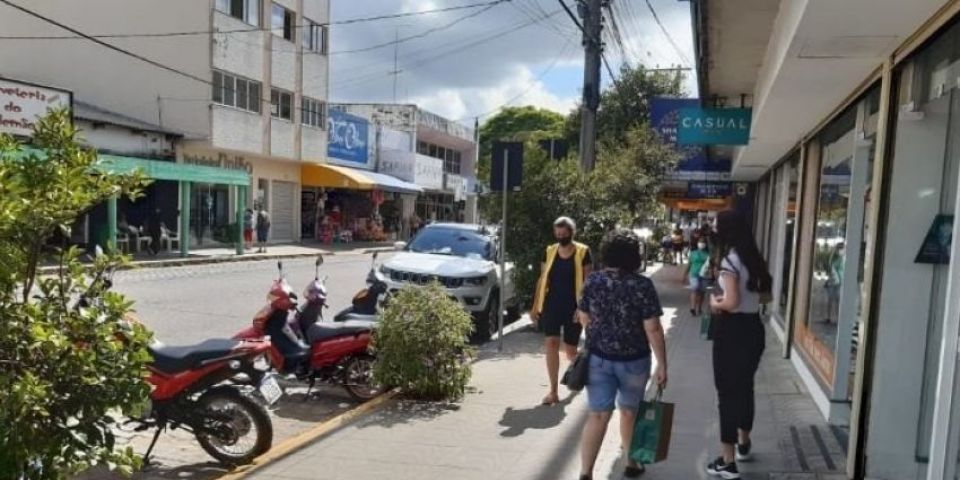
pixel 463 258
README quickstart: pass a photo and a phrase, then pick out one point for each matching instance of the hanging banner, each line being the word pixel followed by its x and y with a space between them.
pixel 694 164
pixel 347 137
pixel 714 126
pixel 22 104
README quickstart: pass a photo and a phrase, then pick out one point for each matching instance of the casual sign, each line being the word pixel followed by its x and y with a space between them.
pixel 714 126
pixel 348 138
pixel 694 163
pixel 22 104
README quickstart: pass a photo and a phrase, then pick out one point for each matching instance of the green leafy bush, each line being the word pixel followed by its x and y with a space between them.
pixel 64 371
pixel 421 344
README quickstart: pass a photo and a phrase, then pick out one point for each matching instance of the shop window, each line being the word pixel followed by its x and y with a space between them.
pixel 790 219
pixel 236 91
pixel 281 104
pixel 314 36
pixel 282 21
pixel 244 10
pixel 314 113
pixel 433 151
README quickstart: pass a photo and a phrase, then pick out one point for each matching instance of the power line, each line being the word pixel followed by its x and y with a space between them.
pixel 348 21
pixel 666 33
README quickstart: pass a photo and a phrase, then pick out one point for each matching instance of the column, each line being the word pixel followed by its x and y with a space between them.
pixel 241 193
pixel 185 218
pixel 111 225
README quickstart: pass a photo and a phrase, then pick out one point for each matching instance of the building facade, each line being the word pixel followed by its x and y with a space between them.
pixel 854 160
pixel 245 81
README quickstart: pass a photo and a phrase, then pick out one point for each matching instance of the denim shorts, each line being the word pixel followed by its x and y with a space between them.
pixel 623 383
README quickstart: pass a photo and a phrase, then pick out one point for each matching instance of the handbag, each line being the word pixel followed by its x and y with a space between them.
pixel 578 373
pixel 652 430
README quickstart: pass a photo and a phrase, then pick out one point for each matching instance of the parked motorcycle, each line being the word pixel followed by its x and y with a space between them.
pixel 314 350
pixel 368 301
pixel 208 390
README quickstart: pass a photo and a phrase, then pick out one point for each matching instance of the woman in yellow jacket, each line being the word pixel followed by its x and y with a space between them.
pixel 565 266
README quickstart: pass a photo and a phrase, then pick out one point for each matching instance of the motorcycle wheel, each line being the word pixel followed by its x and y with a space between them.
pixel 358 378
pixel 243 427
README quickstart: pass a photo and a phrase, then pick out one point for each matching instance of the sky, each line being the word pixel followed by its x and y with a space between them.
pixel 471 62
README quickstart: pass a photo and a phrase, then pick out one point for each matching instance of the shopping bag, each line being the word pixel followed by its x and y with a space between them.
pixel 651 432
pixel 706 324
pixel 577 374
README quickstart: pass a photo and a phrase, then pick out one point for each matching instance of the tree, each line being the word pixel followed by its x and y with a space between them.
pixel 625 106
pixel 516 124
pixel 64 370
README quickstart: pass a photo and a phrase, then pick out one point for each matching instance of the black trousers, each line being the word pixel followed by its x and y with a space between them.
pixel 738 343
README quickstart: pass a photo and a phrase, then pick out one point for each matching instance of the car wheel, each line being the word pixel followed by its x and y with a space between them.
pixel 485 323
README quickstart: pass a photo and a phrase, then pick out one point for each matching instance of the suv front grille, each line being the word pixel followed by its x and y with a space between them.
pixel 423 279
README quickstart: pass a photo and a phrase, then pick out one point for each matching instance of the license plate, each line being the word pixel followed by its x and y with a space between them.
pixel 270 389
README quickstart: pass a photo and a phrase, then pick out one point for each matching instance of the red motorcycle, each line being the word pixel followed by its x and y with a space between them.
pixel 208 389
pixel 315 351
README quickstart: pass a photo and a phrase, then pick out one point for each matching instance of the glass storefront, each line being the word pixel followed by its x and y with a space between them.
pixel 210 214
pixel 782 274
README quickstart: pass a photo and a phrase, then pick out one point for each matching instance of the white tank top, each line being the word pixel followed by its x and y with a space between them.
pixel 732 265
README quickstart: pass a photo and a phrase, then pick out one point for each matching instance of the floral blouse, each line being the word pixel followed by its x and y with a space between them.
pixel 618 304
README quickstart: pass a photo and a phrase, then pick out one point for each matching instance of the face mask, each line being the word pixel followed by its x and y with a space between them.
pixel 565 241
pixel 702 246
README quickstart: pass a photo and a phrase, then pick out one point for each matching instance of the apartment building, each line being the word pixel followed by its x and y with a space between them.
pixel 245 81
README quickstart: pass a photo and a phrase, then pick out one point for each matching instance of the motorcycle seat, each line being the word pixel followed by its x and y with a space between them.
pixel 177 359
pixel 326 330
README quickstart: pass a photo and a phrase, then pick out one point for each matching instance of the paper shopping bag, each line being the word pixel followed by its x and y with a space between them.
pixel 651 432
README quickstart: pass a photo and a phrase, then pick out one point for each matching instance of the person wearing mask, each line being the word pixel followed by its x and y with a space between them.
pixel 696 283
pixel 565 266
pixel 738 338
pixel 621 312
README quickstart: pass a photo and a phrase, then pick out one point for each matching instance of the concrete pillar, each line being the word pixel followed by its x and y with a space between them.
pixel 112 224
pixel 241 206
pixel 185 218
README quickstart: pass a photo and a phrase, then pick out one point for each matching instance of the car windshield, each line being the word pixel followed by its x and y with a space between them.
pixel 452 241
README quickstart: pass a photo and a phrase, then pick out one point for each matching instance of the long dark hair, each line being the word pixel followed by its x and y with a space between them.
pixel 733 233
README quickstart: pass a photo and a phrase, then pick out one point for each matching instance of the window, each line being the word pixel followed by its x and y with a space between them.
pixel 314 36
pixel 422 148
pixel 313 113
pixel 282 22
pixel 281 104
pixel 236 92
pixel 456 162
pixel 433 151
pixel 244 10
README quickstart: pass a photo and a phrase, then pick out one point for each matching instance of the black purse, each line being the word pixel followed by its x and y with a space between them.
pixel 578 373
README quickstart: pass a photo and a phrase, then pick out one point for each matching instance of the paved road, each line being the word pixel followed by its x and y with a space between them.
pixel 184 305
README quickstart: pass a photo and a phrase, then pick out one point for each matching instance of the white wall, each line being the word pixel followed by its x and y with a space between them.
pixel 235 129
pixel 110 79
pixel 314 144
pixel 317 10
pixel 281 138
pixel 240 53
pixel 315 75
pixel 124 141
pixel 284 64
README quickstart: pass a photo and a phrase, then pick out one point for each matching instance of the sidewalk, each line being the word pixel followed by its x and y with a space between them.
pixel 229 254
pixel 499 432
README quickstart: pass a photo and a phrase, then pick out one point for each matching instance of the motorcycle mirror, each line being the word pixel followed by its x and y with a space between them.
pixel 375 255
pixel 319 260
pixel 280 268
pixel 98 251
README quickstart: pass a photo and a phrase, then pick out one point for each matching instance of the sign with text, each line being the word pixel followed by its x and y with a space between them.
pixel 22 104
pixel 348 137
pixel 704 190
pixel 694 164
pixel 714 126
pixel 428 172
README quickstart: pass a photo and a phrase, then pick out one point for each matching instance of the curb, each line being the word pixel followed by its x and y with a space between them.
pixel 182 262
pixel 295 443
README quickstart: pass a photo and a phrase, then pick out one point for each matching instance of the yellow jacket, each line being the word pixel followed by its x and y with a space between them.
pixel 580 253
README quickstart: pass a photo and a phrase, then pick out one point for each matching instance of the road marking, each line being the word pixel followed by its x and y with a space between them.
pixel 300 441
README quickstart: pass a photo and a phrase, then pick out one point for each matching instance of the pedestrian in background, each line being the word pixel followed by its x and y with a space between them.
pixel 676 239
pixel 263 229
pixel 621 312
pixel 738 338
pixel 694 278
pixel 248 228
pixel 564 268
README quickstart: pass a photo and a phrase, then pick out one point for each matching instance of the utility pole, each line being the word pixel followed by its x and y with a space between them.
pixel 590 12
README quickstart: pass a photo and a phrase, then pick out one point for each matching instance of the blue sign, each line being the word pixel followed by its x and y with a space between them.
pixel 703 190
pixel 347 137
pixel 714 126
pixel 665 118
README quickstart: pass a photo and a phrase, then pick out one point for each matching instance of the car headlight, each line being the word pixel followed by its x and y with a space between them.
pixel 476 281
pixel 384 270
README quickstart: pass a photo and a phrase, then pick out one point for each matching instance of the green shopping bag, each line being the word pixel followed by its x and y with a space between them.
pixel 651 433
pixel 706 333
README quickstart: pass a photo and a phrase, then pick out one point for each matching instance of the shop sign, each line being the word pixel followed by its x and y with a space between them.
pixel 694 163
pixel 400 164
pixel 714 126
pixel 22 104
pixel 348 137
pixel 704 190
pixel 428 172
pixel 219 160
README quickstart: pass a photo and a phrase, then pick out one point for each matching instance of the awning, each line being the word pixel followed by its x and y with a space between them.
pixel 334 176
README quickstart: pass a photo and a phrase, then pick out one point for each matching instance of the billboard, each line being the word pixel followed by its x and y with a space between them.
pixel 694 164
pixel 22 104
pixel 348 138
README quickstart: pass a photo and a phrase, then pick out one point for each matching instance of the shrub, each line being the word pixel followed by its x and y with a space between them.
pixel 421 344
pixel 63 370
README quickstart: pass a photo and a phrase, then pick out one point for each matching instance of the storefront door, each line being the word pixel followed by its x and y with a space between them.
pixel 209 213
pixel 282 205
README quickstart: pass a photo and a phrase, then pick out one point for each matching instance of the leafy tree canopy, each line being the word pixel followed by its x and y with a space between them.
pixel 517 124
